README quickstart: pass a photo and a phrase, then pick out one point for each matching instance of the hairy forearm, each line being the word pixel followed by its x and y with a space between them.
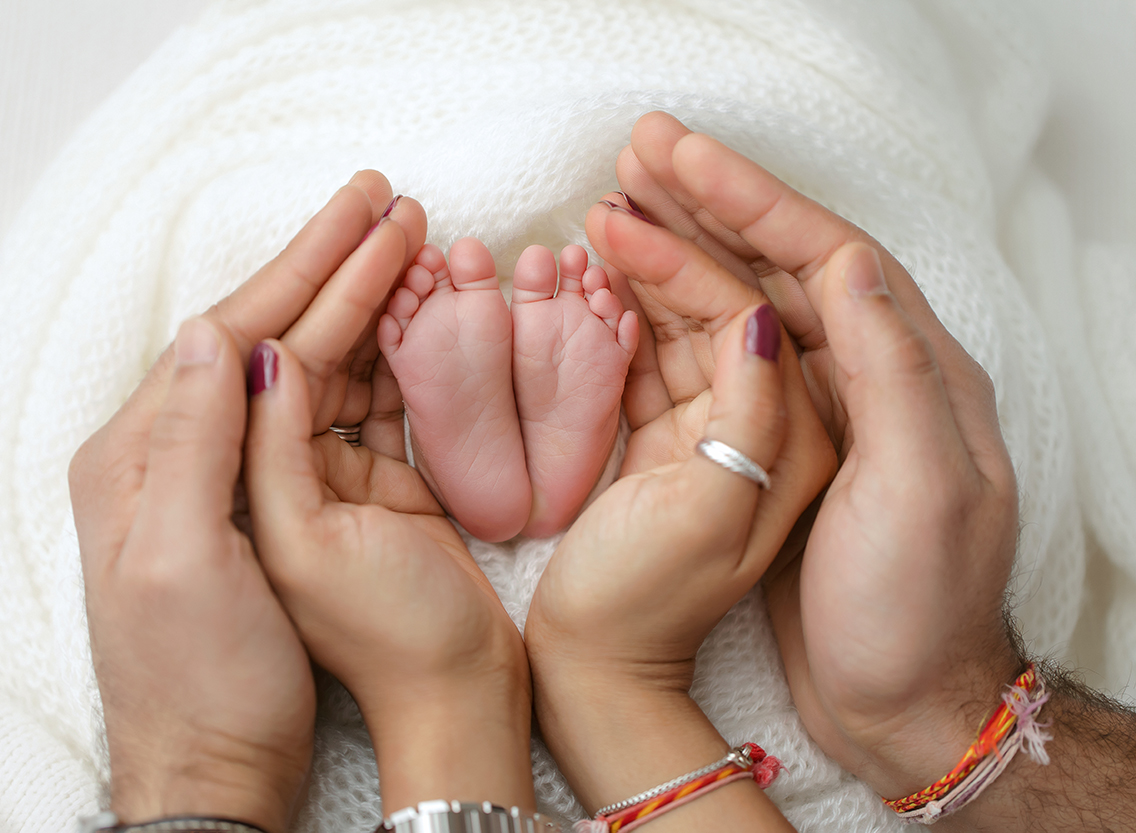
pixel 1088 784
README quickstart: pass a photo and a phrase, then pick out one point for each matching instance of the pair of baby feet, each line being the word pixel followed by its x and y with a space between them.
pixel 513 412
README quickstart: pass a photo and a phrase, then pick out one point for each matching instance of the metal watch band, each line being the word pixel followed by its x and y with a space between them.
pixel 109 822
pixel 458 817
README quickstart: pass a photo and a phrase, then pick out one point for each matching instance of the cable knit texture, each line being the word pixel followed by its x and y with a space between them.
pixel 504 117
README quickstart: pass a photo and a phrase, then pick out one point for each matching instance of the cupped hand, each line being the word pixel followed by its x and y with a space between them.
pixel 386 597
pixel 891 624
pixel 206 689
pixel 647 571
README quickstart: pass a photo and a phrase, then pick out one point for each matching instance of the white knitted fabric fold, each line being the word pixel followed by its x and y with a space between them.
pixel 916 119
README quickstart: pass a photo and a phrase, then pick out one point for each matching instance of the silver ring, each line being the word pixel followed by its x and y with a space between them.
pixel 352 434
pixel 733 460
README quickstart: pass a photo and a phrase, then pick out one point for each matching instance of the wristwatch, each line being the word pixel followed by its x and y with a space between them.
pixel 458 817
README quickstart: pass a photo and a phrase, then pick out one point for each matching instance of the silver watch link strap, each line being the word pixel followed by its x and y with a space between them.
pixel 459 817
pixel 107 821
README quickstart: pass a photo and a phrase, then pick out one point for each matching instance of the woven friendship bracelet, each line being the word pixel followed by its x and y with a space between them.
pixel 1013 726
pixel 748 761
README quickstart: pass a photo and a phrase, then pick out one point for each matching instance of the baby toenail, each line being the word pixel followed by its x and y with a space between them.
pixel 390 207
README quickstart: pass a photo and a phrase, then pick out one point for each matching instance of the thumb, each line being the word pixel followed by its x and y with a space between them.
pixel 194 453
pixel 747 416
pixel 283 487
pixel 891 385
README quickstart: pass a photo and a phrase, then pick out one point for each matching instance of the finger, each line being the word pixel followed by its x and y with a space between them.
pixel 194 455
pixel 645 172
pixel 285 493
pixel 275 297
pixel 892 387
pixel 645 395
pixel 383 430
pixel 686 297
pixel 677 274
pixel 264 306
pixel 408 213
pixel 795 233
pixel 747 415
pixel 340 318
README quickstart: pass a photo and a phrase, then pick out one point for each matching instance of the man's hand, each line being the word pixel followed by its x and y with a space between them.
pixel 891 624
pixel 206 689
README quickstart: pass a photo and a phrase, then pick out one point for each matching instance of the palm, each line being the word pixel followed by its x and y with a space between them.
pixel 387 547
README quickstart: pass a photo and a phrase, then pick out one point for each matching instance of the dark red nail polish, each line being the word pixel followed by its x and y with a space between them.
pixel 382 219
pixel 390 207
pixel 262 369
pixel 634 205
pixel 638 215
pixel 763 333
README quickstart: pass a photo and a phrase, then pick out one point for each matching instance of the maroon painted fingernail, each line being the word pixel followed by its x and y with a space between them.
pixel 638 215
pixel 763 333
pixel 382 219
pixel 262 369
pixel 634 205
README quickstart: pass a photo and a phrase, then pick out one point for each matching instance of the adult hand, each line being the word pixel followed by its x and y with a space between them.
pixel 891 624
pixel 206 690
pixel 386 596
pixel 643 576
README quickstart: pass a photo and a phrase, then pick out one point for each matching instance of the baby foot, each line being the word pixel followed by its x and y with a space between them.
pixel 447 336
pixel 571 349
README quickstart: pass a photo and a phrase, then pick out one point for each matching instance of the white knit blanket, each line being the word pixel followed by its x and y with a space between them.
pixel 915 118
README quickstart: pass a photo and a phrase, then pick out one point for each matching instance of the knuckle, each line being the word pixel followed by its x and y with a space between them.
pixel 911 353
pixel 175 428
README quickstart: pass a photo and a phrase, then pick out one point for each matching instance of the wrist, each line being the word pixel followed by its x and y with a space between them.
pixel 201 789
pixel 454 738
pixel 596 723
pixel 931 738
pixel 615 737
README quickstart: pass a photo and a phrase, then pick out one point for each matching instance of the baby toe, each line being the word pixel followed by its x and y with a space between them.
pixel 472 266
pixel 534 278
pixel 573 266
pixel 595 279
pixel 431 257
pixel 605 305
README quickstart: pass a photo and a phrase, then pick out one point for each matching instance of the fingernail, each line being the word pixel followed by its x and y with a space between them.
pixel 262 369
pixel 631 202
pixel 196 343
pixel 638 215
pixel 382 219
pixel 864 275
pixel 763 333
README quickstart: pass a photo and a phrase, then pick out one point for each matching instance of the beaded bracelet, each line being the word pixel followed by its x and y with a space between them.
pixel 1013 726
pixel 748 761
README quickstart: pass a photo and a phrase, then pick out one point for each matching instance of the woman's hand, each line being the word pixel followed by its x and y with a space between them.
pixel 649 569
pixel 206 690
pixel 387 597
pixel 891 625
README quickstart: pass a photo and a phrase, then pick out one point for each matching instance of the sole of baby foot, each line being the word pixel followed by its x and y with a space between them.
pixel 447 336
pixel 572 343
